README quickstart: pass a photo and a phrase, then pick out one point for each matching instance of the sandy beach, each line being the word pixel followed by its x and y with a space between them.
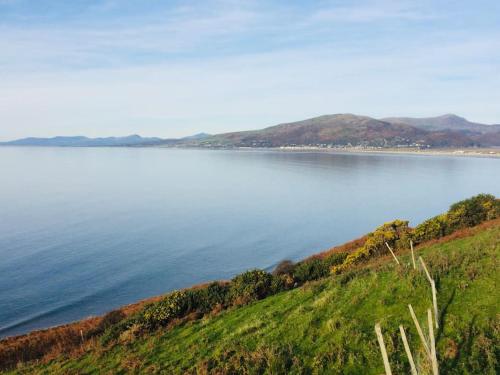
pixel 466 152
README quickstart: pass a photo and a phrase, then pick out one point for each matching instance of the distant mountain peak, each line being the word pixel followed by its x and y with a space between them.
pixel 447 121
pixel 451 115
pixel 197 136
pixel 341 129
pixel 81 141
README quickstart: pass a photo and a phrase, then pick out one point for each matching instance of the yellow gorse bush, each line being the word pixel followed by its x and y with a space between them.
pixel 397 234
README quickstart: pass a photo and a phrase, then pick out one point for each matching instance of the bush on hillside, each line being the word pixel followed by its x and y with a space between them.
pixel 473 211
pixel 250 286
pixel 180 303
pixel 335 259
pixel 311 269
pixel 114 331
pixel 316 268
pixel 395 233
pixel 108 320
pixel 463 214
pixel 205 299
pixel 174 305
pixel 435 227
pixel 285 267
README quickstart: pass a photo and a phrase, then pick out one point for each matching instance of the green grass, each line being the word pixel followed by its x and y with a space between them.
pixel 327 327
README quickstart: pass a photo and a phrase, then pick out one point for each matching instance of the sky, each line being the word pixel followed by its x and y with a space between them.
pixel 175 68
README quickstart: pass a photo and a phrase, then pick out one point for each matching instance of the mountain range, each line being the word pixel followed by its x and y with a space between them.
pixel 80 141
pixel 354 130
pixel 324 131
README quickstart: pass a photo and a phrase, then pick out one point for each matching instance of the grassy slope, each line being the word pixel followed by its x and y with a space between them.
pixel 327 326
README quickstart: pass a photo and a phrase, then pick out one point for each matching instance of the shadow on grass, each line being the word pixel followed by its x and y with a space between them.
pixel 463 349
pixel 442 315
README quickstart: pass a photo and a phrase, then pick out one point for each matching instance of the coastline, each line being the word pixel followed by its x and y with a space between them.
pixel 472 152
pixel 73 340
pixel 462 152
pixel 92 321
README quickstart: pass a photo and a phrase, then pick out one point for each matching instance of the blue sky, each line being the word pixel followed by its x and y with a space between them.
pixel 174 68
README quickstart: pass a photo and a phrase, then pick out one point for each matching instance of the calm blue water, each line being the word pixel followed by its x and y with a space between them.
pixel 84 230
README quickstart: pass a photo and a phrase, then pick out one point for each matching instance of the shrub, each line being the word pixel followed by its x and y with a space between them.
pixel 463 214
pixel 108 320
pixel 431 228
pixel 205 299
pixel 114 331
pixel 278 284
pixel 174 305
pixel 473 211
pixel 285 267
pixel 395 233
pixel 311 269
pixel 250 286
pixel 335 259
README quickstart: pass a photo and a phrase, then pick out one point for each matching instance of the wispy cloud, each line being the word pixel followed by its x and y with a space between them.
pixel 152 37
pixel 230 65
pixel 225 27
pixel 374 11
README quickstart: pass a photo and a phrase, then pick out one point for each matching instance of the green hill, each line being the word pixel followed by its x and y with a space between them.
pixel 327 326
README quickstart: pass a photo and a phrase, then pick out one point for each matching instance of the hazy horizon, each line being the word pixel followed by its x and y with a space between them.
pixel 175 68
pixel 188 135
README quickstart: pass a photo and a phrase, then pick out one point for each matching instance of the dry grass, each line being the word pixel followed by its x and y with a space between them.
pixel 45 345
pixel 348 247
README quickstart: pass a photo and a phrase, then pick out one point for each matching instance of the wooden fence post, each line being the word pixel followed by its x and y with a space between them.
pixel 433 291
pixel 412 255
pixel 380 338
pixel 434 302
pixel 419 330
pixel 392 252
pixel 425 269
pixel 435 370
pixel 408 351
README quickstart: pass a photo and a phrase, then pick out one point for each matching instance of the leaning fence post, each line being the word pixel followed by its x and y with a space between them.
pixel 380 338
pixel 425 269
pixel 407 349
pixel 413 255
pixel 83 341
pixel 419 330
pixel 433 290
pixel 435 370
pixel 392 252
pixel 434 302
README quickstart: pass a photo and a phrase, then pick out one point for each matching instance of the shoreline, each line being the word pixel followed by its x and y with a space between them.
pixel 462 152
pixel 131 308
pixel 77 337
